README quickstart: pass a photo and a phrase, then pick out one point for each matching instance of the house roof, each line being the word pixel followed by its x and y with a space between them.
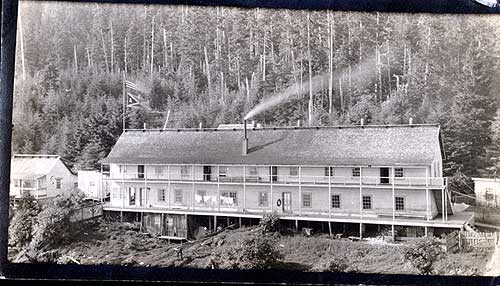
pixel 28 166
pixel 341 145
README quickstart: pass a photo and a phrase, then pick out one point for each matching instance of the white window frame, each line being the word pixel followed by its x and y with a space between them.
pixel 185 172
pixel 370 200
pixel 329 171
pixel 340 201
pixel 161 195
pixel 399 173
pixel 263 199
pixel 293 171
pixel 58 183
pixel 396 204
pixel 178 196
pixel 304 195
pixel 356 172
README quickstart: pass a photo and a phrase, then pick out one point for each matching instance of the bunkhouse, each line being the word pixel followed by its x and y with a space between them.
pixel 40 176
pixel 363 176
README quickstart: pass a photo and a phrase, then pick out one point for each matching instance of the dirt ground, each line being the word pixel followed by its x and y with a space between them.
pixel 122 243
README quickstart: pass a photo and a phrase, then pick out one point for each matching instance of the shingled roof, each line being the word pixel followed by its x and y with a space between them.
pixel 353 145
pixel 32 166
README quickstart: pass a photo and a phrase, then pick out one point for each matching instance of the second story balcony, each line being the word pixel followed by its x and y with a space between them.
pixel 279 175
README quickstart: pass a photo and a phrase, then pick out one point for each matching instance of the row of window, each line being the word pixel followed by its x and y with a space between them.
pixel 223 171
pixel 231 199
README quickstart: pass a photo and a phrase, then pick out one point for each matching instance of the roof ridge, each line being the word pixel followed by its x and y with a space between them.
pixel 36 156
pixel 373 126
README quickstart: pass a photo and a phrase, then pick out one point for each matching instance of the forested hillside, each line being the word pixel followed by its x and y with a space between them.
pixel 213 65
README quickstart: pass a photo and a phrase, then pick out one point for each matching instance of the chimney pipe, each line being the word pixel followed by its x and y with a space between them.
pixel 245 139
pixel 201 125
pixel 299 123
pixel 144 126
pixel 362 121
pixel 411 120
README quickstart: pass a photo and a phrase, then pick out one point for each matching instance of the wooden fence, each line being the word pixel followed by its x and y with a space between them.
pixel 458 240
pixel 86 213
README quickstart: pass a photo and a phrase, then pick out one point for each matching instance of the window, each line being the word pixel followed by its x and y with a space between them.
pixel 140 171
pixel 400 203
pixel 399 172
pixel 253 171
pixel 158 171
pixel 16 183
pixel 367 202
pixel 356 172
pixel 229 198
pixel 336 201
pixel 116 193
pixel 222 171
pixel 328 171
pixel 307 200
pixel 157 219
pixel 294 171
pixel 263 201
pixel 201 196
pixel 75 185
pixel 122 169
pixel 58 183
pixel 178 196
pixel 161 195
pixel 184 172
pixel 488 194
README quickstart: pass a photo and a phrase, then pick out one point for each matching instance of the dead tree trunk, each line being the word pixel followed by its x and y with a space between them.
pixel 310 105
pixel 151 70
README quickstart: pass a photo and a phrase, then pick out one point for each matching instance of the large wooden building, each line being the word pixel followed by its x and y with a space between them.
pixel 367 175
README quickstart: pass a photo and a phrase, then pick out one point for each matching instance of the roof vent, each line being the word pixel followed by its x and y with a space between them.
pixel 410 121
pixel 362 121
pixel 299 123
pixel 201 125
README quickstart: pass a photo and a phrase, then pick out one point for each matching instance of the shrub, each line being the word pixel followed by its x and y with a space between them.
pixel 21 226
pixel 53 224
pixel 252 253
pixel 422 254
pixel 270 223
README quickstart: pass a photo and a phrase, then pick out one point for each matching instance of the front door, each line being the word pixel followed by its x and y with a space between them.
pixel 274 173
pixel 131 196
pixel 287 202
pixel 384 175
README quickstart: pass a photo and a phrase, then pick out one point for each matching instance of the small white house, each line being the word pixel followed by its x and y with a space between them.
pixel 41 176
pixel 487 191
pixel 92 184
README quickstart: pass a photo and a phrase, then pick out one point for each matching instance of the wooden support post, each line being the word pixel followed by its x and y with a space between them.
pixel 218 189
pixel 121 216
pixel 169 187
pixel 141 219
pixel 393 203
pixel 227 221
pixel 300 191
pixel 442 204
pixel 330 169
pixel 271 186
pixel 427 214
pixel 360 230
pixel 162 219
pixel 426 231
pixel 360 196
pixel 239 222
pixel 244 188
pixel 297 224
pixel 193 194
pixel 330 227
pixel 215 223
pixel 393 233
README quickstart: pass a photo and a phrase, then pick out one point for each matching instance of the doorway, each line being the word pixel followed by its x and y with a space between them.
pixel 274 173
pixel 384 175
pixel 287 202
pixel 207 173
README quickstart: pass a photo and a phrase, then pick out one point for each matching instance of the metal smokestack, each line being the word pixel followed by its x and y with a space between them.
pixel 245 139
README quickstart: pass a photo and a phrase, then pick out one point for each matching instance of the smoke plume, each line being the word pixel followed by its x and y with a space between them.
pixel 361 74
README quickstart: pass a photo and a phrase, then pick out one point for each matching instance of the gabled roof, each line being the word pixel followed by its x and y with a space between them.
pixel 343 145
pixel 28 166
